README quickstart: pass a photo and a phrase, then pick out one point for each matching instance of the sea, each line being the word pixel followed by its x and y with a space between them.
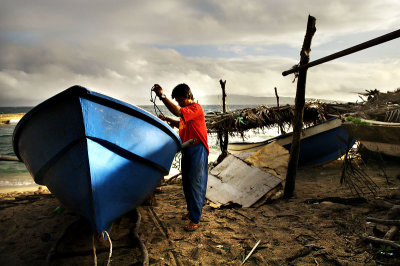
pixel 15 174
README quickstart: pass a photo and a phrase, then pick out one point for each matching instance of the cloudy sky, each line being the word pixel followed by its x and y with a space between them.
pixel 121 48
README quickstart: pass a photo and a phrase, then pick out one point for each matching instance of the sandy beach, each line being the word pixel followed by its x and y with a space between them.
pixel 321 225
pixel 20 189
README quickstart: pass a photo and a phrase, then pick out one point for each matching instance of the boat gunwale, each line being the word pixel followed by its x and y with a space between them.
pixel 374 133
pixel 262 143
pixel 373 123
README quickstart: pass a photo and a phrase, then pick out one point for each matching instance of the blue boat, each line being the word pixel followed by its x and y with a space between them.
pixel 319 144
pixel 99 156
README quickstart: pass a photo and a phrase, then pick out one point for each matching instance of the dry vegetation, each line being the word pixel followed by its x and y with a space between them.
pixel 375 105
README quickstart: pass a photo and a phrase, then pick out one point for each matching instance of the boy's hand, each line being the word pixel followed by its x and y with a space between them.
pixel 158 90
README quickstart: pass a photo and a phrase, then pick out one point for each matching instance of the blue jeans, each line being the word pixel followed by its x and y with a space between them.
pixel 194 179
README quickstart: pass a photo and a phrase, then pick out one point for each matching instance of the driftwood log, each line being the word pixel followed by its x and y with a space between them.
pixel 391 219
pixel 381 241
pixel 383 221
pixel 394 213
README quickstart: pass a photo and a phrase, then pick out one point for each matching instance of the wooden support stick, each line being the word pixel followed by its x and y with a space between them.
pixel 393 214
pixel 299 110
pixel 222 83
pixel 277 105
pixel 251 252
pixel 224 139
pixel 392 232
pixel 277 97
pixel 384 38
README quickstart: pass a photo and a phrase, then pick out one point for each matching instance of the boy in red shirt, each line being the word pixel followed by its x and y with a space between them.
pixel 195 157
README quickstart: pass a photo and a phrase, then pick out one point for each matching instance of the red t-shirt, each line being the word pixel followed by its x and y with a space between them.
pixel 192 124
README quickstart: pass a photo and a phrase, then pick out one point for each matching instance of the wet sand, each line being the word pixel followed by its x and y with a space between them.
pixel 304 230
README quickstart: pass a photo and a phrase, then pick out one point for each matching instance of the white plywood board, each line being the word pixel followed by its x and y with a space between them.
pixel 235 181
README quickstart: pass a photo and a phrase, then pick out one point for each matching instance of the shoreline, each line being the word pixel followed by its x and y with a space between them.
pixel 6 119
pixel 21 189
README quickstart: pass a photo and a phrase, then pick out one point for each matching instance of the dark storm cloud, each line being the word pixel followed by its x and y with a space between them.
pixel 121 48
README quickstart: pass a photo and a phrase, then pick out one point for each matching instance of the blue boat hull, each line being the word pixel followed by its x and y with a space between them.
pixel 99 156
pixel 319 144
pixel 323 147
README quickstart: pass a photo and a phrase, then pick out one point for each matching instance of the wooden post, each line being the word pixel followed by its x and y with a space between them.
pixel 224 139
pixel 299 110
pixel 277 97
pixel 223 95
pixel 277 105
pixel 223 134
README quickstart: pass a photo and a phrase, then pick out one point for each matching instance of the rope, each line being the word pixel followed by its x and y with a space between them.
pixel 110 254
pixel 296 74
pixel 153 100
pixel 94 251
pixel 143 249
pixel 176 163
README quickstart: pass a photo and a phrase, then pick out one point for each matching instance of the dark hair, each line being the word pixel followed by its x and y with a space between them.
pixel 182 90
